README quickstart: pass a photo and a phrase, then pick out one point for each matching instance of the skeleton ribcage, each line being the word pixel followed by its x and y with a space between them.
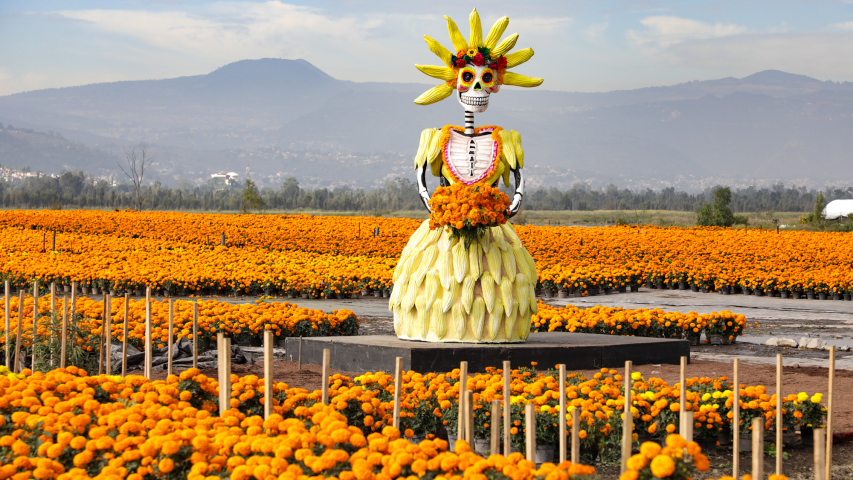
pixel 470 158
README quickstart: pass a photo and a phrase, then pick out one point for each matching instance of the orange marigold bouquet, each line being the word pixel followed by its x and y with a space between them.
pixel 468 209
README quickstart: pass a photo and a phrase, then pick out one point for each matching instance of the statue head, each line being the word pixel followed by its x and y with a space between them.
pixel 478 68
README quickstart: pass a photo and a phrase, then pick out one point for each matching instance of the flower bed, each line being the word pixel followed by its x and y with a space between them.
pixel 239 321
pixel 640 322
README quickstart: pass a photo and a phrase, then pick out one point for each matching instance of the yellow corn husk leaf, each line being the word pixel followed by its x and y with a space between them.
pixel 439 50
pixel 521 292
pixel 423 306
pixel 397 293
pixel 505 175
pixel 519 152
pixel 458 316
pixel 410 295
pixel 533 304
pixel 401 266
pixel 450 240
pixel 426 263
pixel 509 324
pixel 493 259
pixel 431 286
pixel 434 151
pixel 505 46
pixel 400 283
pixel 460 261
pixel 478 317
pixel 398 322
pixel 409 320
pixel 468 292
pixel 447 174
pixel 507 294
pixel 435 167
pixel 485 243
pixel 508 149
pixel 500 167
pixel 493 325
pixel 445 268
pixel 438 320
pixel 517 58
pixel 475 260
pixel 429 238
pixel 511 78
pixel 436 94
pixel 531 264
pixel 523 326
pixel 509 265
pixel 495 33
pixel 459 42
pixel 450 296
pixel 498 238
pixel 509 234
pixel 435 71
pixel 416 237
pixel 487 285
pixel 476 38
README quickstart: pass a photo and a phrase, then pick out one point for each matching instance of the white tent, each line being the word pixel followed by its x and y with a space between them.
pixel 838 208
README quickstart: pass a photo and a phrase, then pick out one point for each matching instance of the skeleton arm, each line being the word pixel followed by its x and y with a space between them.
pixel 428 152
pixel 519 192
pixel 422 188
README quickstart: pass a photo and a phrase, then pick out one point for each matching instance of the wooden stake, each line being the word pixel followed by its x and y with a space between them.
pixel 103 336
pixel 299 357
pixel 52 298
pixel 18 339
pixel 562 439
pixel 758 448
pixel 819 453
pixel 576 438
pixel 171 341
pixel 148 337
pixel 398 382
pixel 530 432
pixel 682 417
pixel 223 345
pixel 6 332
pixel 195 334
pixel 73 300
pixel 627 423
pixel 463 386
pixel 64 335
pixel 53 242
pixel 124 335
pixel 495 426
pixel 35 323
pixel 325 385
pixel 779 423
pixel 829 407
pixel 469 417
pixel 736 420
pixel 108 330
pixel 268 363
pixel 507 408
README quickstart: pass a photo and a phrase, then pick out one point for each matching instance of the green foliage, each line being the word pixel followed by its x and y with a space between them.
pixel 719 214
pixel 817 218
pixel 252 199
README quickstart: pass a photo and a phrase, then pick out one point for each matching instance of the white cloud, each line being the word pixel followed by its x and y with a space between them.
pixel 664 31
pixel 596 30
pixel 842 26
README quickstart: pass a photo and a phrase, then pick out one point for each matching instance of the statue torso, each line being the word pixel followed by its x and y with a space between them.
pixel 470 158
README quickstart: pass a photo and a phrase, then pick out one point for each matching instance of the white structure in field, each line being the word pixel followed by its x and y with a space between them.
pixel 838 208
pixel 229 178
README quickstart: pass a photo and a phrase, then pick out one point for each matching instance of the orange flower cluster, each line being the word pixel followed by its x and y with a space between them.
pixel 468 206
pixel 237 320
pixel 638 322
pixel 65 425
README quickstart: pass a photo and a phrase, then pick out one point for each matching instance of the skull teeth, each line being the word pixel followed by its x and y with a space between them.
pixel 475 101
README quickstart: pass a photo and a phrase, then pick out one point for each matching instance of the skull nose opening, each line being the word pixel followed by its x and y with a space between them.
pixel 478 86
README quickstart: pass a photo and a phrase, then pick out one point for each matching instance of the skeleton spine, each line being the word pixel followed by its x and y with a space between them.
pixel 469 123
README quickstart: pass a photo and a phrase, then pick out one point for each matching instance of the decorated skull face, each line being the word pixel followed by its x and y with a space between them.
pixel 473 85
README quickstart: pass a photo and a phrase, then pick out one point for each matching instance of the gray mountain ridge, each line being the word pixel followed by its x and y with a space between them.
pixel 289 117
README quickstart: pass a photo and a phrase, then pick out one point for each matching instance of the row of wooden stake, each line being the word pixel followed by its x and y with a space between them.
pixel 104 352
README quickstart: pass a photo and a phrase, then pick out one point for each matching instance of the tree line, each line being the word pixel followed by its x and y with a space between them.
pixel 74 189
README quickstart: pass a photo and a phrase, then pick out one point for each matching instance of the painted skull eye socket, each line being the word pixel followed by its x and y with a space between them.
pixel 467 76
pixel 487 77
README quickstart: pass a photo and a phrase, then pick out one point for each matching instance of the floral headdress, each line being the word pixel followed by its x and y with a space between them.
pixel 475 51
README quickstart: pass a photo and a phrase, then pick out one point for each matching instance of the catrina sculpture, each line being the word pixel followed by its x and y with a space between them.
pixel 464 276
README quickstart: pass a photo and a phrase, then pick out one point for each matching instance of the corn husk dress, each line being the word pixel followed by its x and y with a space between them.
pixel 447 292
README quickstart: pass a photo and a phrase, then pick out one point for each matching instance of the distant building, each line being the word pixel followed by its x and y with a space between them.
pixel 229 178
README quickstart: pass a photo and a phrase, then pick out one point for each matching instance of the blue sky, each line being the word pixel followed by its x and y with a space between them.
pixel 580 45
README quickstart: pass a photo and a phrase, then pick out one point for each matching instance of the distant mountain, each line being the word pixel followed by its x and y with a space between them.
pixel 282 115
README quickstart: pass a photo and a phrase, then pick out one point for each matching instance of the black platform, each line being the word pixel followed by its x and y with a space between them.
pixel 577 351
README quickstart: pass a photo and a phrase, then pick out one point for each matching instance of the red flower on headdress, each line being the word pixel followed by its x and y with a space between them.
pixel 502 62
pixel 493 65
pixel 478 60
pixel 460 62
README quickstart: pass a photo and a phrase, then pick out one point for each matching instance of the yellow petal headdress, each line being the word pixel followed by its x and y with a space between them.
pixel 478 51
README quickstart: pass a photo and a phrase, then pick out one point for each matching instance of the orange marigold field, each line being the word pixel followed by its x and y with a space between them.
pixel 337 256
